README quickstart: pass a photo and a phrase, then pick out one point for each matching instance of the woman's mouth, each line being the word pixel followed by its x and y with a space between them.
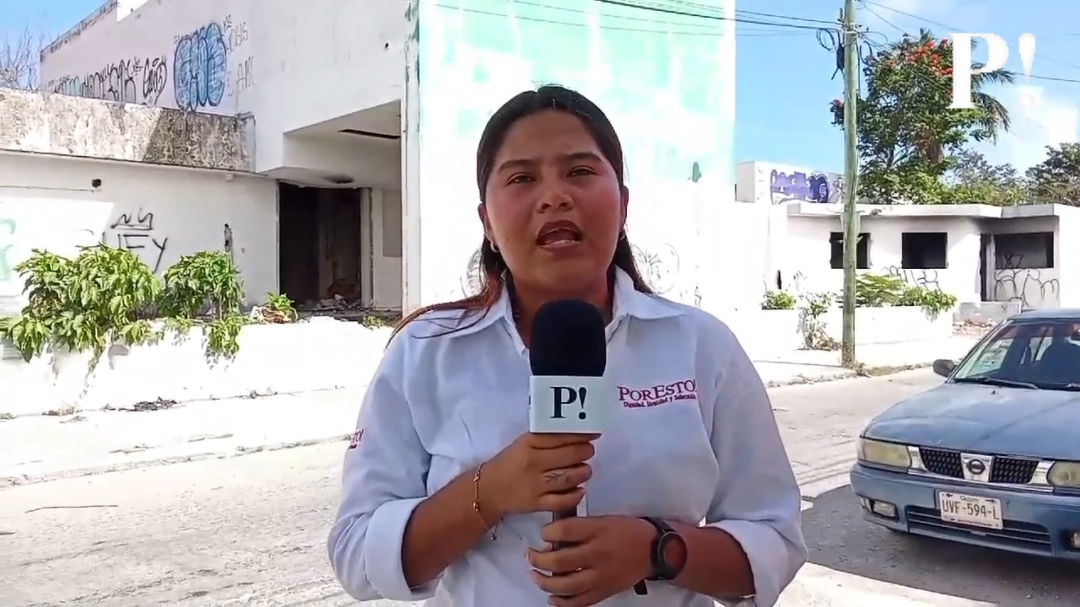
pixel 558 237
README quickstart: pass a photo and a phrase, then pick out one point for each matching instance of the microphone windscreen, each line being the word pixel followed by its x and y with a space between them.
pixel 568 338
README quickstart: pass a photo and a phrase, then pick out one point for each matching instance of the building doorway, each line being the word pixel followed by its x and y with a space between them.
pixel 321 244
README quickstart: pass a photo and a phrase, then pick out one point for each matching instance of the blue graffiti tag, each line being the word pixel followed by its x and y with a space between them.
pixel 798 187
pixel 199 68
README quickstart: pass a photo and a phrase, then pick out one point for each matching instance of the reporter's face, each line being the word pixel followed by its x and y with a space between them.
pixel 554 206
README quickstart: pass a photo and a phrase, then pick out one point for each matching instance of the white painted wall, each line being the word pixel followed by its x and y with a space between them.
pixel 290 64
pixel 806 249
pixel 159 213
pixel 384 290
pixel 1033 287
pixel 176 368
pixel 771 183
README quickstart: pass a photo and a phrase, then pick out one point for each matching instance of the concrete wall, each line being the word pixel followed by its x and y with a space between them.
pixel 806 250
pixel 771 183
pixel 290 64
pixel 68 126
pixel 386 250
pixel 159 213
pixel 177 369
pixel 1032 287
pixel 765 332
pixel 669 93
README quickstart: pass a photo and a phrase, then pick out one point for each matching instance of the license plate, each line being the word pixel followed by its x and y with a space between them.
pixel 970 510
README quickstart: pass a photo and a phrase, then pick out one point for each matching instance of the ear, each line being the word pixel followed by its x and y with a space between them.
pixel 624 202
pixel 481 211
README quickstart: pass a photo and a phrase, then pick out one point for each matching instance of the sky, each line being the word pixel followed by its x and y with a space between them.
pixel 784 78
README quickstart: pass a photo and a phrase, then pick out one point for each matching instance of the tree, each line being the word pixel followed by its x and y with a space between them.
pixel 1057 178
pixel 19 59
pixel 908 136
pixel 973 180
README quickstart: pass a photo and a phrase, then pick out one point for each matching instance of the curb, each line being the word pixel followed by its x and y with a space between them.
pixel 802 380
pixel 7 482
pixel 237 450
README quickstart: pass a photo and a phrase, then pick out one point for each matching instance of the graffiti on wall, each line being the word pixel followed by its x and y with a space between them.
pixel 814 187
pixel 1026 286
pixel 659 267
pixel 201 75
pixel 208 66
pixel 134 80
pixel 927 279
pixel 135 232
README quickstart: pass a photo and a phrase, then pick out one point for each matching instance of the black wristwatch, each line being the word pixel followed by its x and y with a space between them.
pixel 663 569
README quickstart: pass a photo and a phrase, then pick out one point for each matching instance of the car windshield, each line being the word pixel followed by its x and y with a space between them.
pixel 1042 354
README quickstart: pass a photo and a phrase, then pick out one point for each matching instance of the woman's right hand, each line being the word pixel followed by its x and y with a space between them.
pixel 537 473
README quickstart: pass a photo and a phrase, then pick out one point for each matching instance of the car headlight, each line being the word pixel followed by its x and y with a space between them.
pixel 1064 474
pixel 884 454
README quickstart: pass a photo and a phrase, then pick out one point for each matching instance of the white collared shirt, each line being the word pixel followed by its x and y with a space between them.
pixel 441 403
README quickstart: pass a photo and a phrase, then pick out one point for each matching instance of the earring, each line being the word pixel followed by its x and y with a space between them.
pixel 494 247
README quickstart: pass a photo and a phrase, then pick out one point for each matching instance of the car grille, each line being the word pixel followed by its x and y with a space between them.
pixel 1005 470
pixel 1024 536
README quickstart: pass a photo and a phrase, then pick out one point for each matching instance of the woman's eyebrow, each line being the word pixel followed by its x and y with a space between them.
pixel 524 163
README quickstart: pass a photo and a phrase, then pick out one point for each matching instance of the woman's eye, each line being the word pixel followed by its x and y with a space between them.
pixel 579 171
pixel 520 178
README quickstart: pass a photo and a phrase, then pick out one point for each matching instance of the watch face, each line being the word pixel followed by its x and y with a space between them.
pixel 671 565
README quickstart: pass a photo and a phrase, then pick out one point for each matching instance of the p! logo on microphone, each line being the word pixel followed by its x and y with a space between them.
pixel 564 404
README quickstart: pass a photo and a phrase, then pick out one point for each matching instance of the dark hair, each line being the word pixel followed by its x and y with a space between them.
pixel 525 104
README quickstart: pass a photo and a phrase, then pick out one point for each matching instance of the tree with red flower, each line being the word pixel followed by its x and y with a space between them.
pixel 908 137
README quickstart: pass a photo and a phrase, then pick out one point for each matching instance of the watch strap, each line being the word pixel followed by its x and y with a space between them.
pixel 661 568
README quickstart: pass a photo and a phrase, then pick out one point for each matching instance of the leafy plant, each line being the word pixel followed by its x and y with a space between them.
pixel 877 290
pixel 932 301
pixel 779 300
pixel 278 309
pixel 103 295
pixel 813 307
pixel 206 283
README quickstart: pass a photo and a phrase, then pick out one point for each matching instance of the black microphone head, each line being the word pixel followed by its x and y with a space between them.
pixel 568 338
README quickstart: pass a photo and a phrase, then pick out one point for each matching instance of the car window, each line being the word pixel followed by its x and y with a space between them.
pixel 1044 353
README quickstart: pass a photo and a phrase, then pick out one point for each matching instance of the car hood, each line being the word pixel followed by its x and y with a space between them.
pixel 987 419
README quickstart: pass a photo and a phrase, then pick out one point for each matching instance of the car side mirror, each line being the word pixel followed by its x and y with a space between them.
pixel 944 367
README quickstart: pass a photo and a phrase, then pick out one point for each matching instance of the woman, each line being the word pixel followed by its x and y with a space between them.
pixel 445 488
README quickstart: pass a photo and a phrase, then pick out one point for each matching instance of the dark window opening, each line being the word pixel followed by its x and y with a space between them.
pixel 862 251
pixel 924 250
pixel 319 243
pixel 1024 251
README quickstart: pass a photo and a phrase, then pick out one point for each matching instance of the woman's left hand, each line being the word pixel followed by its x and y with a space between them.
pixel 608 556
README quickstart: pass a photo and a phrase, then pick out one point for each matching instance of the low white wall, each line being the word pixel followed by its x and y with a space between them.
pixel 273 359
pixel 769 331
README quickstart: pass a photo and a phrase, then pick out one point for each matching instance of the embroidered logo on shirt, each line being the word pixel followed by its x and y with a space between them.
pixel 661 394
pixel 354 440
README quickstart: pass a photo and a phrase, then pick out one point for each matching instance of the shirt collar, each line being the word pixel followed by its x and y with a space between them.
pixel 628 303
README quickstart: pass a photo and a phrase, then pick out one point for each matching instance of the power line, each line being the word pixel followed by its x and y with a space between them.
pixel 737 19
pixel 867 4
pixel 792 28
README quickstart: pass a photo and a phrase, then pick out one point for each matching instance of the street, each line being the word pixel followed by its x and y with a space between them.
pixel 250 531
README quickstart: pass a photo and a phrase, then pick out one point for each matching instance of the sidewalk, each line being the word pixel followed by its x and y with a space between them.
pixel 37 449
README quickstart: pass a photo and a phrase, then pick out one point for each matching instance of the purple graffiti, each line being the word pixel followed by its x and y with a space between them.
pixel 798 186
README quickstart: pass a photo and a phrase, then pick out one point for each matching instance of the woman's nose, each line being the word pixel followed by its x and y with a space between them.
pixel 555 198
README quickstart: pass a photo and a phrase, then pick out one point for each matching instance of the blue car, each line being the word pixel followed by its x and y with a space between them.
pixel 992 456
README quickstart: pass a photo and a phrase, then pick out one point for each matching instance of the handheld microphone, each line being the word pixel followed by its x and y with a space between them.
pixel 567 390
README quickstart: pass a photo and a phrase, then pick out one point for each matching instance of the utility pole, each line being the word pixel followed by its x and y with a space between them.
pixel 851 181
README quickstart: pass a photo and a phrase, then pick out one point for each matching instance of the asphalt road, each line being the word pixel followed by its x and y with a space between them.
pixel 250 531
